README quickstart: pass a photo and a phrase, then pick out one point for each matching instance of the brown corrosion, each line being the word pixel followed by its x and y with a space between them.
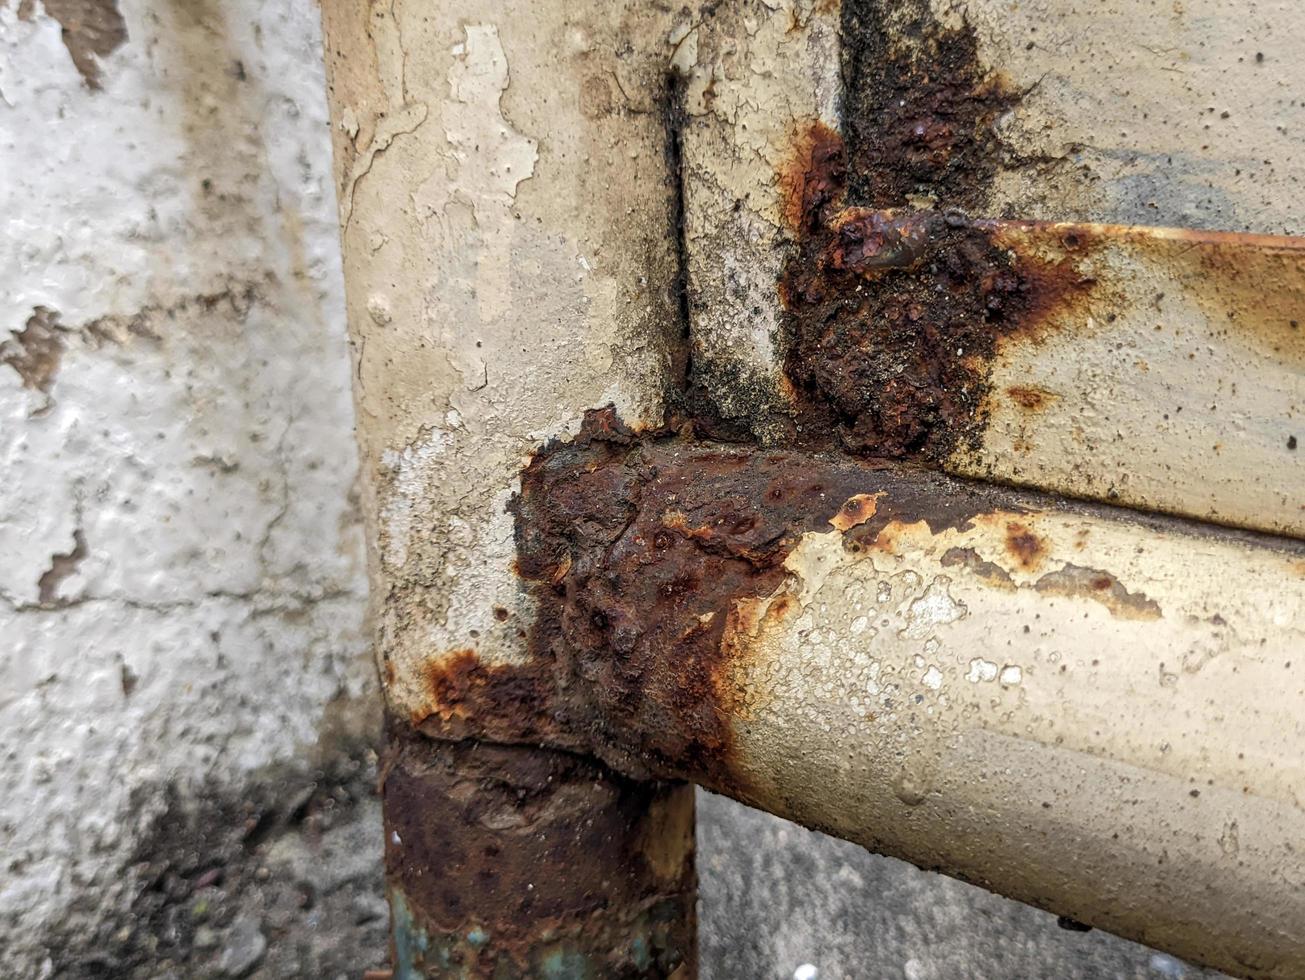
pixel 460 684
pixel 987 571
pixel 814 174
pixel 1075 581
pixel 894 318
pixel 919 110
pixel 1029 398
pixel 645 553
pixel 503 856
pixel 1024 546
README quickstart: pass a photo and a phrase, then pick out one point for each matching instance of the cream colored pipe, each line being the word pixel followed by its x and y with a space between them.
pixel 1102 717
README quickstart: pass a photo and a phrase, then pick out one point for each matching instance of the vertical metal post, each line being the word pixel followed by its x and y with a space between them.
pixel 506 861
pixel 507 209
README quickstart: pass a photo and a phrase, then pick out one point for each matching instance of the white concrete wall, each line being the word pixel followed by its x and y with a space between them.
pixel 181 572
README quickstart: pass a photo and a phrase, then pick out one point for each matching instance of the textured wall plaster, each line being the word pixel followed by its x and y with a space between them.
pixel 181 581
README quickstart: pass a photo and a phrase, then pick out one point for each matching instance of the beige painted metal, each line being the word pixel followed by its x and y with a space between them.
pixel 760 72
pixel 509 262
pixel 1178 113
pixel 1177 384
pixel 1092 714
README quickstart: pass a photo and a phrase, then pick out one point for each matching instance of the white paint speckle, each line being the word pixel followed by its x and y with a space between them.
pixel 1011 675
pixel 807 971
pixel 932 678
pixel 933 609
pixel 981 670
pixel 378 308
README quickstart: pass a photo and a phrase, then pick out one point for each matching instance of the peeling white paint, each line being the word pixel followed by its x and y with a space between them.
pixel 412 469
pixel 489 159
pixel 935 608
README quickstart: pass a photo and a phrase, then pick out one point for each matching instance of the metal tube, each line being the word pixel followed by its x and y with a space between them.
pixel 507 215
pixel 505 861
pixel 1084 708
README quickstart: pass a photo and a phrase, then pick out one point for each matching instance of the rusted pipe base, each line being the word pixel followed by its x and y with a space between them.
pixel 507 861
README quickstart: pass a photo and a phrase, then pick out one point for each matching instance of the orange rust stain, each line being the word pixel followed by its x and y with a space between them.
pixel 1026 547
pixel 461 686
pixel 1030 398
pixel 886 539
pixel 857 510
pixel 779 608
pixel 1251 287
pixel 810 173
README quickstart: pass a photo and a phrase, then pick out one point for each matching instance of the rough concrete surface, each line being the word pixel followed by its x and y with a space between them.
pixel 186 701
pixel 181 580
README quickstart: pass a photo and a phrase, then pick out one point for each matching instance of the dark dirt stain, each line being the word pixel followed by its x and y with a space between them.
pixel 471 826
pixel 35 351
pixel 92 29
pixel 208 857
pixel 1075 581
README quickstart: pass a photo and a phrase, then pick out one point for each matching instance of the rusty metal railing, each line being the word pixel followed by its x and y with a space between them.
pixel 690 413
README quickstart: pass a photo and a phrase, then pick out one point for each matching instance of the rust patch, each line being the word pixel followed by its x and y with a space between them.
pixel 35 351
pixel 1029 398
pixel 1075 581
pixel 91 29
pixel 647 554
pixel 470 826
pixel 640 551
pixel 1024 546
pixel 893 319
pixel 919 110
pixel 461 685
pixel 814 175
